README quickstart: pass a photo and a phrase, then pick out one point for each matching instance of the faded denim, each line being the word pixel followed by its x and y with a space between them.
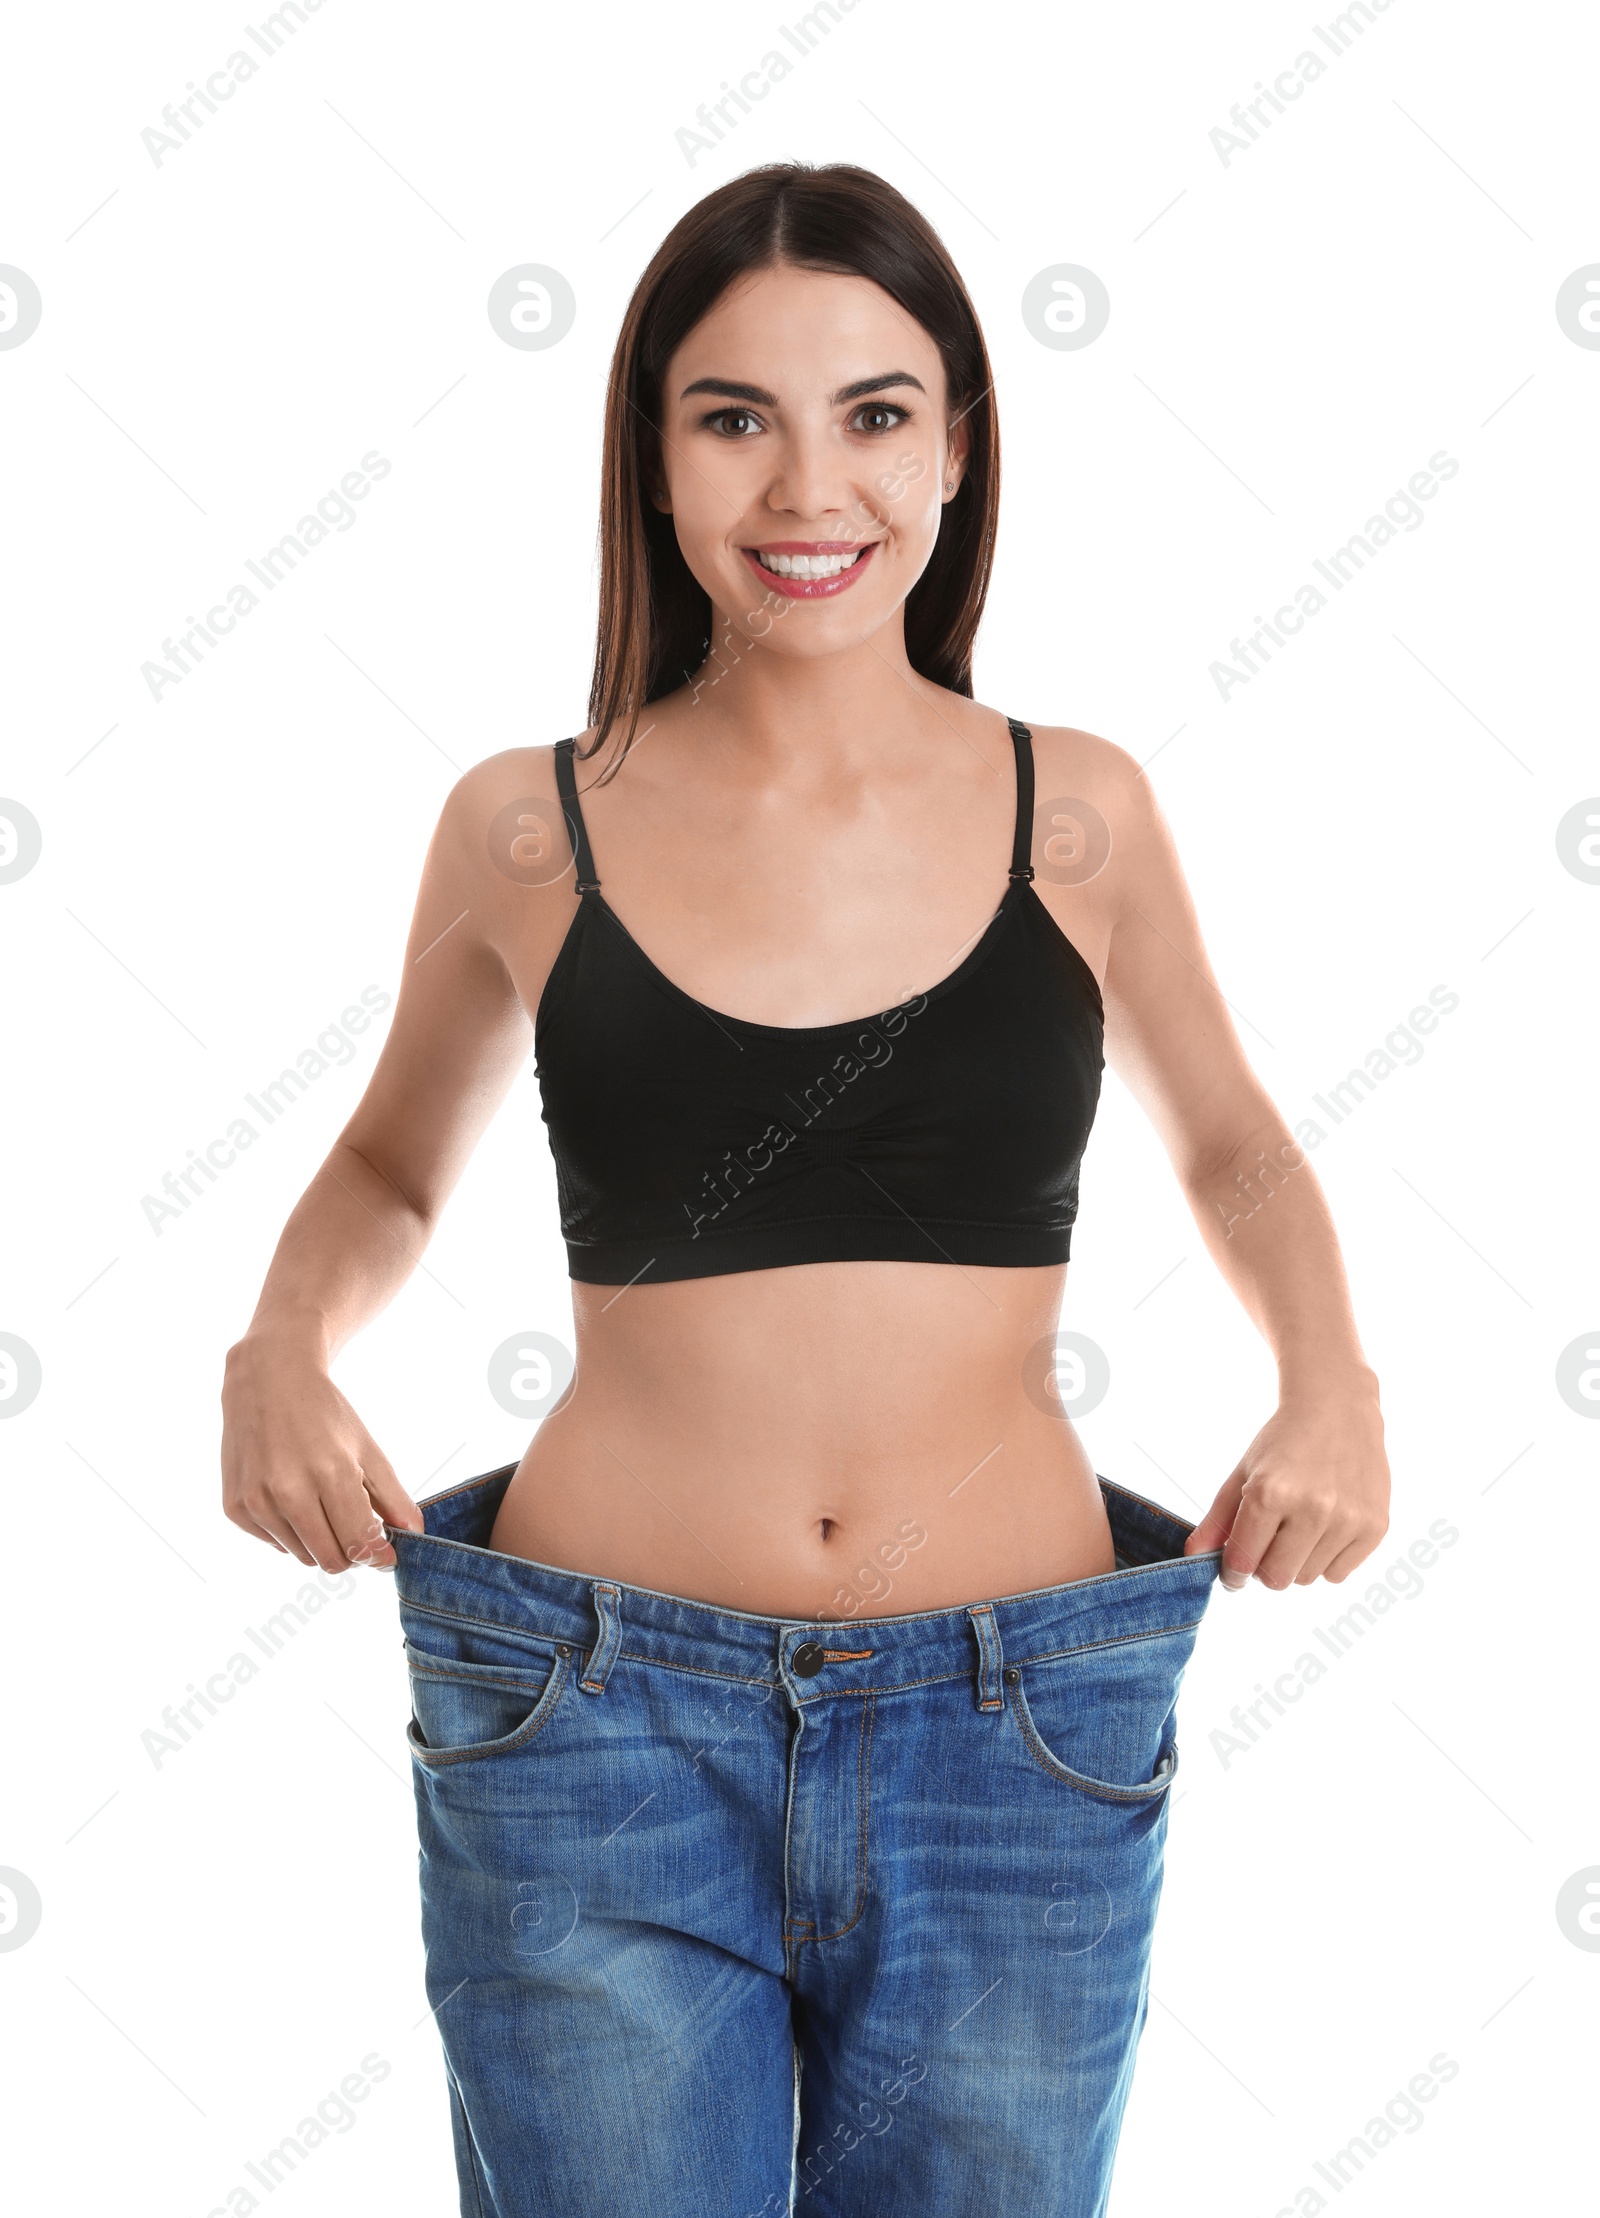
pixel 707 1937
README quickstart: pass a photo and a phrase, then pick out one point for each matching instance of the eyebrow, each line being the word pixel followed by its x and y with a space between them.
pixel 728 388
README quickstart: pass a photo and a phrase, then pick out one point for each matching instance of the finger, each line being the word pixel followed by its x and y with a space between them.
pixel 1306 1513
pixel 1290 1547
pixel 269 1519
pixel 388 1497
pixel 1334 1543
pixel 236 1509
pixel 308 1520
pixel 1253 1532
pixel 247 1524
pixel 1346 1560
pixel 357 1527
pixel 1214 1528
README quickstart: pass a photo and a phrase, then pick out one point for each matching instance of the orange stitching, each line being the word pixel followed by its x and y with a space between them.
pixel 864 1779
pixel 845 1655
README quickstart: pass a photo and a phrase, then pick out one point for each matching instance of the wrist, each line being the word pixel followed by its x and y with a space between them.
pixel 300 1338
pixel 1325 1378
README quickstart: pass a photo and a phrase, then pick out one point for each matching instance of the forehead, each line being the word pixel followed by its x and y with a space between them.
pixel 802 332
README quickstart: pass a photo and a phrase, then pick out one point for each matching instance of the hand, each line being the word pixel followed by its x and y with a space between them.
pixel 299 1469
pixel 1309 1498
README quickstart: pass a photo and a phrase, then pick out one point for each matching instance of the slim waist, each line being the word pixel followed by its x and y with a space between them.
pixel 447 1571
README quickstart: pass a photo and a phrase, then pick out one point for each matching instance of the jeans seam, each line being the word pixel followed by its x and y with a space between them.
pixel 487 1624
pixel 464 1487
pixel 435 1759
pixel 864 1780
pixel 1118 1640
pixel 466 2134
pixel 743 1679
pixel 630 1655
pixel 1098 1790
pixel 513 1682
pixel 792 1937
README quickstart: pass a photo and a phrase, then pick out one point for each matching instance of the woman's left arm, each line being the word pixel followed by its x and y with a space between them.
pixel 1309 1498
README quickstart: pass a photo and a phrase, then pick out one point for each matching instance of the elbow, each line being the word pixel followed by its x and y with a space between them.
pixel 405 1189
pixel 1249 1148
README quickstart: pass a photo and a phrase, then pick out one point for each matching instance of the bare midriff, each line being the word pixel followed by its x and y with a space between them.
pixel 825 1441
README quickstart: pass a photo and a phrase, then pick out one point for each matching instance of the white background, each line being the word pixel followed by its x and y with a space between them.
pixel 1373 1881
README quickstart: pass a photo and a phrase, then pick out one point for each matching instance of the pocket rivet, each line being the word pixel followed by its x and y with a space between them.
pixel 1011 1675
pixel 563 1648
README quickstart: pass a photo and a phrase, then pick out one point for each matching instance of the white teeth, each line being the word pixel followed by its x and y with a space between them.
pixel 807 566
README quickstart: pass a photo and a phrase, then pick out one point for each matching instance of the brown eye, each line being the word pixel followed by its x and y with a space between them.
pixel 741 418
pixel 883 415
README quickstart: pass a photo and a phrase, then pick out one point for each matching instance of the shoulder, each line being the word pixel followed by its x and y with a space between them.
pixel 516 774
pixel 501 821
pixel 1073 762
pixel 1084 766
pixel 508 776
pixel 1082 779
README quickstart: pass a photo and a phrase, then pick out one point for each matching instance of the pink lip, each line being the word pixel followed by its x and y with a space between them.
pixel 810 589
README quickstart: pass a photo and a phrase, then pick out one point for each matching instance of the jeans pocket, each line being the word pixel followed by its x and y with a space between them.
pixel 1103 1719
pixel 466 1707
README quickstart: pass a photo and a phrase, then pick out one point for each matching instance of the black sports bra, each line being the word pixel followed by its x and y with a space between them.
pixel 947 1129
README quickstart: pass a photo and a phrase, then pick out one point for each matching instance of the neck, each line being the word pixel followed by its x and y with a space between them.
pixel 772 708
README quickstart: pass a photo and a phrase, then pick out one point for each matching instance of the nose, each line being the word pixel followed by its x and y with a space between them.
pixel 813 477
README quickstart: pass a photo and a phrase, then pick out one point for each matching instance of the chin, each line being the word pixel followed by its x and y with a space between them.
pixel 807 638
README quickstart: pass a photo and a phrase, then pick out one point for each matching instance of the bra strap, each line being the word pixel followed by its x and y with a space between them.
pixel 585 880
pixel 1021 870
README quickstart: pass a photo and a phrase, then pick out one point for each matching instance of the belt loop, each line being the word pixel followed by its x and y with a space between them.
pixel 987 1682
pixel 604 1652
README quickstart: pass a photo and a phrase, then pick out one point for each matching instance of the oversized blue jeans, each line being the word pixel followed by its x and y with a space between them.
pixel 728 1916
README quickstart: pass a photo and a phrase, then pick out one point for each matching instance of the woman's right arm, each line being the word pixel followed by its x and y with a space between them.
pixel 299 1469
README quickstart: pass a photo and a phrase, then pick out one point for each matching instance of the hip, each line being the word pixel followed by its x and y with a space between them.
pixel 499 1646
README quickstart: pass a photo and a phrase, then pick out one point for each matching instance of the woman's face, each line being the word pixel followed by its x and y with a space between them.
pixel 805 452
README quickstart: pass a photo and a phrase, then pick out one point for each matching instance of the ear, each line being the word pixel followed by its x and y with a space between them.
pixel 957 452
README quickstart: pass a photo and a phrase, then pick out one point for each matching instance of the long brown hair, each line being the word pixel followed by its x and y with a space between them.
pixel 655 618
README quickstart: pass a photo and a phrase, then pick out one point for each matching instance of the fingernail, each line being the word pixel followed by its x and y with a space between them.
pixel 1233 1580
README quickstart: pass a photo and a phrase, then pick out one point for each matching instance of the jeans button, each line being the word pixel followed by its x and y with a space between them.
pixel 807 1660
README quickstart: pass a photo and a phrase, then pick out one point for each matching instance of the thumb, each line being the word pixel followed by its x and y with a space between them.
pixel 1214 1528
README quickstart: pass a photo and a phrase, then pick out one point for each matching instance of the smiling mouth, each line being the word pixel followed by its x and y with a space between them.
pixel 810 572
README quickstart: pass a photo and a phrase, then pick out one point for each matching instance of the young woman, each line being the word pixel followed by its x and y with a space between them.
pixel 793 1725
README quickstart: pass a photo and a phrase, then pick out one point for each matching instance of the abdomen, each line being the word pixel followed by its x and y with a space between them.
pixel 827 1440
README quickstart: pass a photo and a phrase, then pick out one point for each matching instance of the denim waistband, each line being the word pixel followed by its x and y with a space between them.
pixel 448 1570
